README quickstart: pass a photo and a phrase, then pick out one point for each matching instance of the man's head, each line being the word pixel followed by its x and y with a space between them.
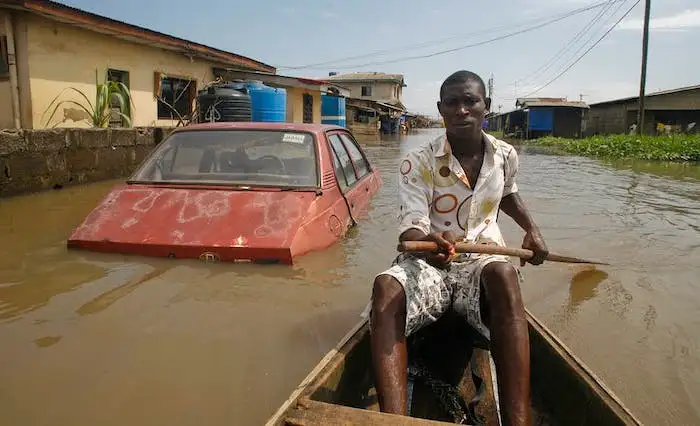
pixel 463 103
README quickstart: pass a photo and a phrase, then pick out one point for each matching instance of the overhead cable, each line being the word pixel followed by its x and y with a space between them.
pixel 584 53
pixel 445 51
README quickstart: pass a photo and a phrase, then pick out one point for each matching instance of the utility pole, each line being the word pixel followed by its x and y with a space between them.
pixel 490 84
pixel 643 79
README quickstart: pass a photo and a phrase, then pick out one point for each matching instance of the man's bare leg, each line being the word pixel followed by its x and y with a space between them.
pixel 388 344
pixel 510 343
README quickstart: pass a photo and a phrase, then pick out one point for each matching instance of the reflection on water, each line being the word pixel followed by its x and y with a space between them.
pixel 39 285
pixel 112 339
pixel 583 286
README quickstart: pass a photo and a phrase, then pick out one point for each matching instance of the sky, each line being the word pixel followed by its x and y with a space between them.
pixel 526 58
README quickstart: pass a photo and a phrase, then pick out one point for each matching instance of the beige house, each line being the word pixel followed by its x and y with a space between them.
pixel 46 47
pixel 373 86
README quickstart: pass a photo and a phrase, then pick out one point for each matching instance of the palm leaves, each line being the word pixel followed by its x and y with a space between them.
pixel 99 112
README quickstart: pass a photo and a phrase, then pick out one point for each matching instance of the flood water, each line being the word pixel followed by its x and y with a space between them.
pixel 90 339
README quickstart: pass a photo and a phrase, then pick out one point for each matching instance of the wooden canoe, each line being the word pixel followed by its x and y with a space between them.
pixel 340 389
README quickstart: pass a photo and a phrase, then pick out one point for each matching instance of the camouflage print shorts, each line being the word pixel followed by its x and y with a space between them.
pixel 430 291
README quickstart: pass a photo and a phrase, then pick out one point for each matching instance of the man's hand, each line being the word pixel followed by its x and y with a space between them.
pixel 533 241
pixel 446 248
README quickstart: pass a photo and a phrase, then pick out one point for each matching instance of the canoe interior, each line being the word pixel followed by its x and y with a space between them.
pixel 342 392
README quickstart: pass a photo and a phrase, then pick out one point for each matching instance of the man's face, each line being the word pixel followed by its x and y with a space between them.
pixel 463 107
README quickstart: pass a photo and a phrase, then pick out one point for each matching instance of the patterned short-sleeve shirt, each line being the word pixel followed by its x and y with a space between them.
pixel 435 195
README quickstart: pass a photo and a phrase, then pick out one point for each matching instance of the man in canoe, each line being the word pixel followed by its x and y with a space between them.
pixel 451 189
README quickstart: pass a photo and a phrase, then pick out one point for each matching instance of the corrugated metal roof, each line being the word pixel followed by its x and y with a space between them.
pixel 649 95
pixel 277 80
pixel 549 102
pixel 569 104
pixel 366 76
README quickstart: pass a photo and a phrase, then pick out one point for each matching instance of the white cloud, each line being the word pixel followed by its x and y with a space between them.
pixel 686 19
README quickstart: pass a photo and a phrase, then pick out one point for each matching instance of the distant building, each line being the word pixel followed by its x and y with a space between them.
pixel 375 102
pixel 675 109
pixel 537 117
pixel 373 86
pixel 46 47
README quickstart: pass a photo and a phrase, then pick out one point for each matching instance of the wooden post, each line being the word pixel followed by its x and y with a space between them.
pixel 643 79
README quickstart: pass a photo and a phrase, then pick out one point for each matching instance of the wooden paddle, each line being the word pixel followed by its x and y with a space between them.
pixel 429 246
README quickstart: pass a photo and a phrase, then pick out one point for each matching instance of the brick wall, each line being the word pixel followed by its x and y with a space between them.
pixel 34 160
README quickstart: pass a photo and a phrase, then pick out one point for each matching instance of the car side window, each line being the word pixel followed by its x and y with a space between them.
pixel 344 159
pixel 339 174
pixel 356 155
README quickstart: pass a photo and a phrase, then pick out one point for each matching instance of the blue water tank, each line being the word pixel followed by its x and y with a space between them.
pixel 333 110
pixel 268 103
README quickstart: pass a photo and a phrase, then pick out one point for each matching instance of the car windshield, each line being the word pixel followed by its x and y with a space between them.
pixel 233 157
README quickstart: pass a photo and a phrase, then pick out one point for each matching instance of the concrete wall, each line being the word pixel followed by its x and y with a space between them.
pixel 34 160
pixel 295 105
pixel 370 131
pixel 61 56
pixel 381 90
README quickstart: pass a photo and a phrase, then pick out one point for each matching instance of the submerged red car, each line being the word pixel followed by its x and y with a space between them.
pixel 244 191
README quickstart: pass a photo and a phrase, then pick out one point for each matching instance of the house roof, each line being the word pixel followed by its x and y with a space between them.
pixel 649 95
pixel 567 104
pixel 276 80
pixel 367 76
pixel 132 33
pixel 549 102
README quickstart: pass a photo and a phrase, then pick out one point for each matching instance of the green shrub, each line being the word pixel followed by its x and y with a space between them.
pixel 676 147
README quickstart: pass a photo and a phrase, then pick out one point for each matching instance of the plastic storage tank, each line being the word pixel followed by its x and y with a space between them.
pixel 269 103
pixel 229 102
pixel 333 110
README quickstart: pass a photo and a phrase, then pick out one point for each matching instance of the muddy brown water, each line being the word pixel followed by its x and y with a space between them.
pixel 105 339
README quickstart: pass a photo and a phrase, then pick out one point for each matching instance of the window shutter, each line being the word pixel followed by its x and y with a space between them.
pixel 157 79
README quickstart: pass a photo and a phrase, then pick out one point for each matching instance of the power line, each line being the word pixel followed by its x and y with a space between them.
pixel 413 46
pixel 593 35
pixel 586 52
pixel 541 70
pixel 585 43
pixel 455 49
pixel 442 52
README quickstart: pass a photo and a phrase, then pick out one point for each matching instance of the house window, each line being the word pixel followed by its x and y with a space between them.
pixel 308 108
pixel 4 60
pixel 122 77
pixel 366 90
pixel 175 97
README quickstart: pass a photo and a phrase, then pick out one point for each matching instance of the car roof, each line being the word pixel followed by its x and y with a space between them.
pixel 250 125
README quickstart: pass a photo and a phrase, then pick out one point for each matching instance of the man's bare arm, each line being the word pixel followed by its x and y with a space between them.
pixel 513 206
